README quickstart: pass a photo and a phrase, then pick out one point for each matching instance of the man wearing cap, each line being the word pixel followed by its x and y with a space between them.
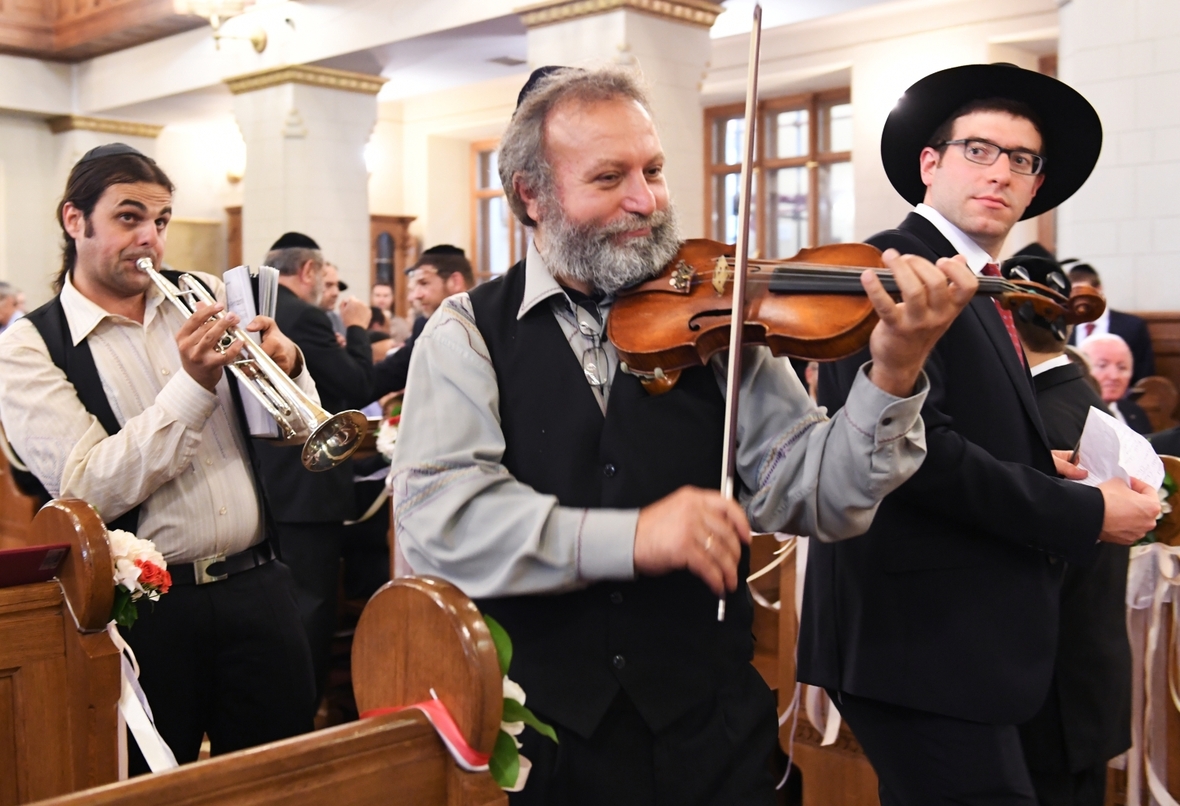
pixel 109 394
pixel 442 271
pixel 584 513
pixel 934 632
pixel 309 509
pixel 1086 718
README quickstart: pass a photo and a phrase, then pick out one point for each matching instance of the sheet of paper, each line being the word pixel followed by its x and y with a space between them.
pixel 1111 450
pixel 268 290
pixel 239 298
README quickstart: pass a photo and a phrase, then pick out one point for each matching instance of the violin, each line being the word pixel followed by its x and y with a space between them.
pixel 810 306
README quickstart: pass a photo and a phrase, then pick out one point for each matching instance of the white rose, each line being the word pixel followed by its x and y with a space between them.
pixel 127 574
pixel 513 691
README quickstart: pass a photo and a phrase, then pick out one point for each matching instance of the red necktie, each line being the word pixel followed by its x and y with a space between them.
pixel 992 270
pixel 1089 326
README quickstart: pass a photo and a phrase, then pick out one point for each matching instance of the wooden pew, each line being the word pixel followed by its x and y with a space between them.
pixel 16 508
pixel 414 635
pixel 59 678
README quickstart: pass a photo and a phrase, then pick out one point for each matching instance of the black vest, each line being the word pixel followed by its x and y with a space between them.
pixel 656 637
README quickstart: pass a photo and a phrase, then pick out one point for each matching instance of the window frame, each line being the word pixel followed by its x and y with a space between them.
pixel 517 237
pixel 813 160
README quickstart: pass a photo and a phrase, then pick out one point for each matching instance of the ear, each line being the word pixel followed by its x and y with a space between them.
pixel 73 220
pixel 928 160
pixel 307 272
pixel 532 204
pixel 455 283
pixel 1037 185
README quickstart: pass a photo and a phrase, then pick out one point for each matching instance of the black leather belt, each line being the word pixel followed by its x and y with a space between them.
pixel 217 568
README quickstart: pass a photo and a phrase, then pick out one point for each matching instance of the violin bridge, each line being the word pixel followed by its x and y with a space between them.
pixel 681 278
pixel 721 275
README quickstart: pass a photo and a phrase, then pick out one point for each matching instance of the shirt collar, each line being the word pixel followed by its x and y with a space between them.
pixel 977 258
pixel 83 315
pixel 539 283
pixel 1053 363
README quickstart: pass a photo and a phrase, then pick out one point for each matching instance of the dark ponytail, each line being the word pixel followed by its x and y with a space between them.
pixel 88 180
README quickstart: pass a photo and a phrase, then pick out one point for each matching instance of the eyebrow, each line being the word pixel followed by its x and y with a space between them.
pixel 138 205
pixel 603 165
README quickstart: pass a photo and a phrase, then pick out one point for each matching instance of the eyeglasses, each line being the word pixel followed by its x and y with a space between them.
pixel 981 152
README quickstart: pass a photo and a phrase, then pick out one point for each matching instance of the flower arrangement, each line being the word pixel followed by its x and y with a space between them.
pixel 508 767
pixel 387 434
pixel 1167 489
pixel 139 570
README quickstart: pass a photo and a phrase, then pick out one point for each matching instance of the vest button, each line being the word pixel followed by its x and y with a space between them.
pixel 609 470
pixel 616 597
pixel 618 661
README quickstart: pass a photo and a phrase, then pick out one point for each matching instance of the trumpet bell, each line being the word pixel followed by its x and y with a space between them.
pixel 334 440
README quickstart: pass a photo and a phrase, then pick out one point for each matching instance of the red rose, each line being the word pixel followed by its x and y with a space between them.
pixel 153 576
pixel 395 420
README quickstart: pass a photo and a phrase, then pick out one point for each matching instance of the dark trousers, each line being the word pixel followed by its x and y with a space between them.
pixel 717 753
pixel 925 759
pixel 1085 788
pixel 228 659
pixel 312 551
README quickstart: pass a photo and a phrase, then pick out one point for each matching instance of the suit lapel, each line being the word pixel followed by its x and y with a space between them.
pixel 989 319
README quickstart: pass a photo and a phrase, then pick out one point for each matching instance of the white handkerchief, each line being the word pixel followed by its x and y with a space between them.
pixel 1111 450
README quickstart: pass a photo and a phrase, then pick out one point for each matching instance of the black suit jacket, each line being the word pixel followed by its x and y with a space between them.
pixel 342 377
pixel 390 373
pixel 1086 719
pixel 1135 416
pixel 1133 331
pixel 949 603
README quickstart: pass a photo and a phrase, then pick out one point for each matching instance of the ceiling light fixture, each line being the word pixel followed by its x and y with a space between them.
pixel 217 12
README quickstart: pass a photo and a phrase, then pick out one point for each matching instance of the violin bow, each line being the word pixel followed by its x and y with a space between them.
pixel 733 380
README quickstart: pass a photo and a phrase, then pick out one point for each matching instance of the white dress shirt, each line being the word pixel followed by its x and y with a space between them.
pixel 977 258
pixel 461 515
pixel 180 452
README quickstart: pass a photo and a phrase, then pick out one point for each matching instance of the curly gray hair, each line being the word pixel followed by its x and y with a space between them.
pixel 522 148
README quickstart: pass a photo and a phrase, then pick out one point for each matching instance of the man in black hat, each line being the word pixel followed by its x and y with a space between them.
pixel 1086 718
pixel 585 514
pixel 111 395
pixel 934 631
pixel 442 271
pixel 309 509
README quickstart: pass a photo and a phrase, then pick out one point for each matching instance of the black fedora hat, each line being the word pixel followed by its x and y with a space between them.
pixel 1071 129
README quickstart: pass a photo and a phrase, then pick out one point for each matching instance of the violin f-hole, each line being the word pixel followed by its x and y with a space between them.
pixel 694 323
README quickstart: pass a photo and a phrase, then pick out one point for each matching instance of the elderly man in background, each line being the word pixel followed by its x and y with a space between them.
pixel 309 509
pixel 1132 328
pixel 1113 366
pixel 10 302
pixel 333 285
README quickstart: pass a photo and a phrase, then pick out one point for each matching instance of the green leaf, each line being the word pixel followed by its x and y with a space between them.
pixel 505 761
pixel 515 712
pixel 123 610
pixel 503 644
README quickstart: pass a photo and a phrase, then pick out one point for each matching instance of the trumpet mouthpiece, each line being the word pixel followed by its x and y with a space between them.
pixel 144 264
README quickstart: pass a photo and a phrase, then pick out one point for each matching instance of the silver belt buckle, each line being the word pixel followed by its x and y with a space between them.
pixel 201 575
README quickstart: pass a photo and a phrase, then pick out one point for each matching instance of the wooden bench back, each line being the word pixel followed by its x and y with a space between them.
pixel 59 679
pixel 415 634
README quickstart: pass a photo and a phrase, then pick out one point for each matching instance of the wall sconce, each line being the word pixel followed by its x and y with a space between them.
pixel 217 12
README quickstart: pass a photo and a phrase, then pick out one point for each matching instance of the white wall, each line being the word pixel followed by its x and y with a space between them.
pixel 1125 58
pixel 884 49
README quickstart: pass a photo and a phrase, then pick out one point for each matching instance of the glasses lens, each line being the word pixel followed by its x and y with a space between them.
pixel 594 365
pixel 980 152
pixel 1025 162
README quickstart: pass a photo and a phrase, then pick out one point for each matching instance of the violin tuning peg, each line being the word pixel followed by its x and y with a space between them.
pixel 658 374
pixel 1027 312
pixel 1019 273
pixel 1058 328
pixel 623 368
pixel 1057 280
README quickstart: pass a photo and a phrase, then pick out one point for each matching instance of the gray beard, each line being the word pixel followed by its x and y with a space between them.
pixel 588 253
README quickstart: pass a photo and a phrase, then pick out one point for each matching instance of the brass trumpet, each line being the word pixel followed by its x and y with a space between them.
pixel 328 439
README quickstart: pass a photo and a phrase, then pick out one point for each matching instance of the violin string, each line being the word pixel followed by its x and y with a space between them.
pixel 841 278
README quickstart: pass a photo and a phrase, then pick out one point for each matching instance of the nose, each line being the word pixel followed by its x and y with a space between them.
pixel 640 198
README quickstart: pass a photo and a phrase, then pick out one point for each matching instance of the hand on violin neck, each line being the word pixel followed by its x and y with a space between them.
pixel 694 529
pixel 932 295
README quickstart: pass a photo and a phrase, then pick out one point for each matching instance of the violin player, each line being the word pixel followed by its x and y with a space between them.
pixel 583 513
pixel 935 631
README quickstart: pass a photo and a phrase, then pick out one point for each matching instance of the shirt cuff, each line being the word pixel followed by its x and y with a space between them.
pixel 186 400
pixel 606 544
pixel 880 416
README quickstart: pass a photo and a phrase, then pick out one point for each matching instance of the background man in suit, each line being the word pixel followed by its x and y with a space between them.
pixel 934 631
pixel 309 509
pixel 333 285
pixel 9 310
pixel 441 272
pixel 1086 718
pixel 1113 366
pixel 1130 327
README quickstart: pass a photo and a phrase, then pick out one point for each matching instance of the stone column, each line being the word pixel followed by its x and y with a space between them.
pixel 305 130
pixel 668 40
pixel 1124 56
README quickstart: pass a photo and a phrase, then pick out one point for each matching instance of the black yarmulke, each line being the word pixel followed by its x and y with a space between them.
pixel 444 249
pixel 535 78
pixel 294 240
pixel 113 150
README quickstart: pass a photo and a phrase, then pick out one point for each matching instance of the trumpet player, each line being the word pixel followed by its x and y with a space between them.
pixel 109 394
